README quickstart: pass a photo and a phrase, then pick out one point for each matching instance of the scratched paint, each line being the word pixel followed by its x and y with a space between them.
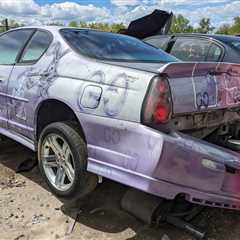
pixel 229 88
pixel 119 146
pixel 207 86
pixel 115 95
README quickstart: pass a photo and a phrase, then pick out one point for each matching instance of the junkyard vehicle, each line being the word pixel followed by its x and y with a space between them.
pixel 102 104
pixel 189 47
pixel 199 47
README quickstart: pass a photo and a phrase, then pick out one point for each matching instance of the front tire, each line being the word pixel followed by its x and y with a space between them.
pixel 62 155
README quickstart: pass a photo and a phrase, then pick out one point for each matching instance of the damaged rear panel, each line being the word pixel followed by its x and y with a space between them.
pixel 204 94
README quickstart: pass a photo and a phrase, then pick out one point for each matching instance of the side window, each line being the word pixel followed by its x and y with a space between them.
pixel 158 42
pixel 214 54
pixel 10 45
pixel 190 49
pixel 36 47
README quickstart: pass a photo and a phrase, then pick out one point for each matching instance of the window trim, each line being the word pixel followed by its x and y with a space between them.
pixel 210 39
pixel 22 47
pixel 221 56
pixel 32 62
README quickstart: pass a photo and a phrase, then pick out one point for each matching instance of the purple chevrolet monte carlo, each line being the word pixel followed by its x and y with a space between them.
pixel 101 104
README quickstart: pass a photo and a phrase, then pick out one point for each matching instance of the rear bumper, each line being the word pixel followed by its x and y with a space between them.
pixel 205 173
pixel 163 188
pixel 161 164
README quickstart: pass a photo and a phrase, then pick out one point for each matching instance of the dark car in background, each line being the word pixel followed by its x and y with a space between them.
pixel 190 47
pixel 199 47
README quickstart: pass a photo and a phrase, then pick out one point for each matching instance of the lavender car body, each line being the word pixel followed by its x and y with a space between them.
pixel 109 98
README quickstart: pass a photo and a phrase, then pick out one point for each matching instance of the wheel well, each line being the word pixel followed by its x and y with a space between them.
pixel 55 111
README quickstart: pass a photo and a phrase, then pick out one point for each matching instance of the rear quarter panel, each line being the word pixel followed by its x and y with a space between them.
pixel 197 87
pixel 122 89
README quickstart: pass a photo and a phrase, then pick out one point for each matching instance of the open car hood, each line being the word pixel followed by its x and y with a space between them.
pixel 158 22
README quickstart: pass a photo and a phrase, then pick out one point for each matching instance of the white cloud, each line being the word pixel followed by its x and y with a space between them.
pixel 120 3
pixel 219 11
pixel 18 7
pixel 71 10
pixel 28 11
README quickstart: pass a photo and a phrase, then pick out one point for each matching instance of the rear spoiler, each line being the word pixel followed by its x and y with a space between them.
pixel 202 87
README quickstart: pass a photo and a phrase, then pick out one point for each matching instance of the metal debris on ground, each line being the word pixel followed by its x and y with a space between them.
pixel 38 219
pixel 12 182
pixel 19 237
pixel 72 222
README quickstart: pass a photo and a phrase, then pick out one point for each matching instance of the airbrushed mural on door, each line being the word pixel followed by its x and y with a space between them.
pixel 39 77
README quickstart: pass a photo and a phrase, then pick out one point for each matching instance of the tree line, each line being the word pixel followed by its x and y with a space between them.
pixel 180 24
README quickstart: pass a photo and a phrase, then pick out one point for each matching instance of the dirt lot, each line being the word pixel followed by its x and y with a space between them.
pixel 29 211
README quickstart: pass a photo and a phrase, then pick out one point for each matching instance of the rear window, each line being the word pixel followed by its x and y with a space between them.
pixel 113 47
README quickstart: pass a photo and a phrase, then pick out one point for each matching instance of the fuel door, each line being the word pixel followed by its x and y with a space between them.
pixel 91 96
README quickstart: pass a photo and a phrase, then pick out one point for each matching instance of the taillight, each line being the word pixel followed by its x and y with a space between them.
pixel 157 107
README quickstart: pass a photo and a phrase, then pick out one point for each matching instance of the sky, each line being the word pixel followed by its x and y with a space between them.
pixel 35 12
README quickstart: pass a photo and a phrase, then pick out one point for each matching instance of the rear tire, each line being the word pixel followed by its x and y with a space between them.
pixel 62 155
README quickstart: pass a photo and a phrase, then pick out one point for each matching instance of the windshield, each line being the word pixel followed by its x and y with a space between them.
pixel 113 47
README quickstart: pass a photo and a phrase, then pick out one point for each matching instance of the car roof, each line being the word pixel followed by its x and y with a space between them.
pixel 219 37
pixel 40 27
pixel 54 28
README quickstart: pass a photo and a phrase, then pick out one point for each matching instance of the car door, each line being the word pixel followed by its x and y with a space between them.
pixel 190 49
pixel 24 83
pixel 11 44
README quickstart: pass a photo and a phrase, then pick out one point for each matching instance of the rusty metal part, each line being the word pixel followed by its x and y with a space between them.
pixel 154 210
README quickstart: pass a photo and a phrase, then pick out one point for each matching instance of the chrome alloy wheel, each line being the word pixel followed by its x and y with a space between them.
pixel 57 161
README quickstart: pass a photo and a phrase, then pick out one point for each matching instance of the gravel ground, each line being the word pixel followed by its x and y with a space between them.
pixel 29 211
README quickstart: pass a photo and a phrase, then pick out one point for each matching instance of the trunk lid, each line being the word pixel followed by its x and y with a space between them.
pixel 203 87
